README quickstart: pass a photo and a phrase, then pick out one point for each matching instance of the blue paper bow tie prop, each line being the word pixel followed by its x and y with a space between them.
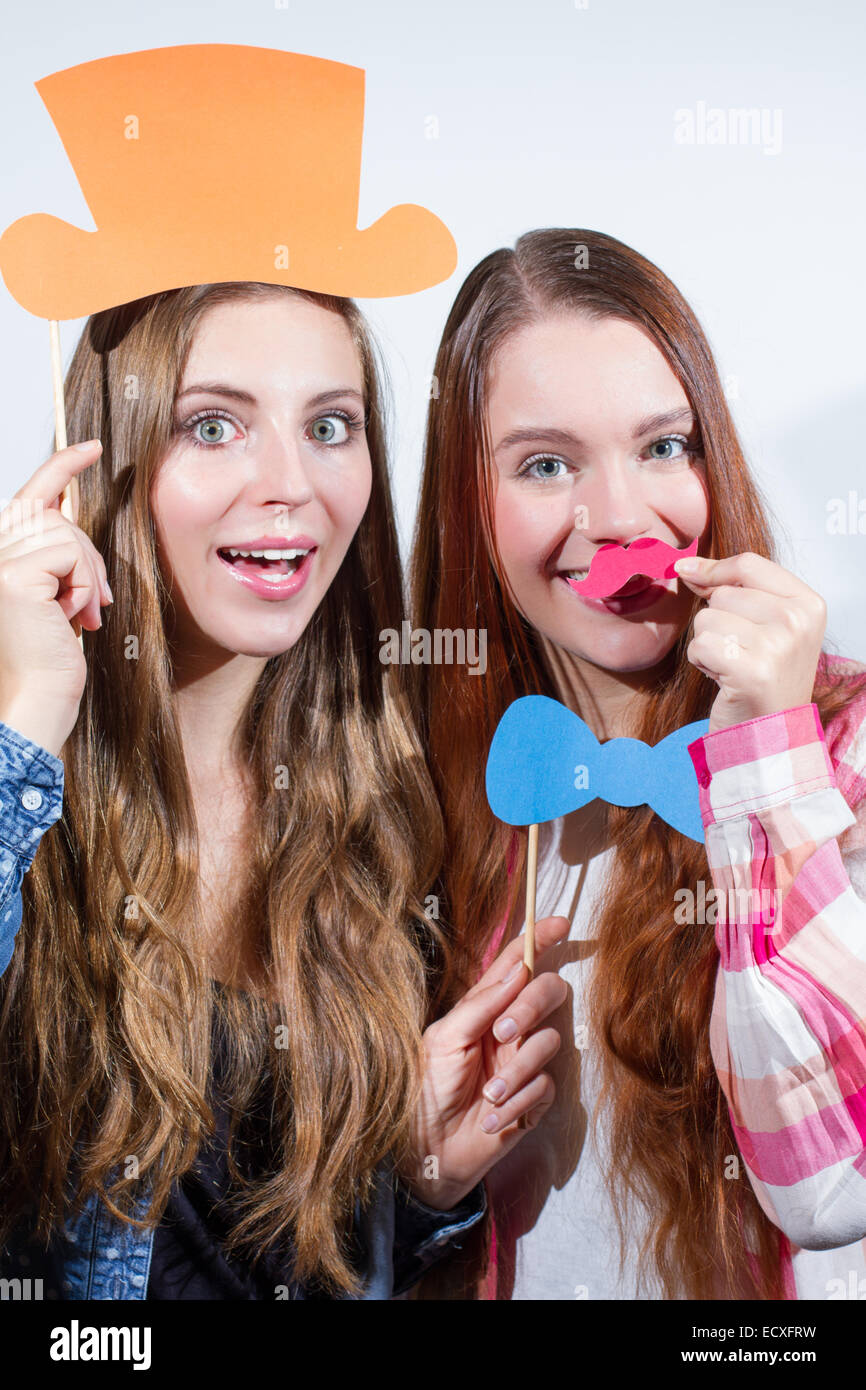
pixel 545 761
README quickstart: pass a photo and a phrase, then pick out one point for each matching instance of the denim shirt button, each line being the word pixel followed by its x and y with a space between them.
pixel 112 1254
pixel 137 1280
pixel 31 799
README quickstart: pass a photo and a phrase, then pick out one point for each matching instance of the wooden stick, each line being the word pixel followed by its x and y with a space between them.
pixel 57 380
pixel 531 875
pixel 69 496
pixel 529 934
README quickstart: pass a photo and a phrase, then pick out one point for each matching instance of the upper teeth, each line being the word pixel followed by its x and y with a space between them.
pixel 270 554
pixel 577 574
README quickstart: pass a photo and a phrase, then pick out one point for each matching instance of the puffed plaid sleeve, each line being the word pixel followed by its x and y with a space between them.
pixel 788 1028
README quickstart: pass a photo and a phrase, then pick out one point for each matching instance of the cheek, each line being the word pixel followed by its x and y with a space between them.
pixel 687 503
pixel 345 496
pixel 526 529
pixel 183 505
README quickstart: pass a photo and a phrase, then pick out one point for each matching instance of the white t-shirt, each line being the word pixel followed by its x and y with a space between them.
pixel 553 1182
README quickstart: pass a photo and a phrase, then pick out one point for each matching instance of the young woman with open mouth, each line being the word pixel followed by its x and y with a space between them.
pixel 213 1020
pixel 709 1115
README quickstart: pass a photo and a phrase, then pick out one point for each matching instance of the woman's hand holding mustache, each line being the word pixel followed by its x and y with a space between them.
pixel 759 637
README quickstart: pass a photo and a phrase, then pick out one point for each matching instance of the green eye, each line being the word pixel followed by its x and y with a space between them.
pixel 325 429
pixel 207 430
pixel 666 448
pixel 543 466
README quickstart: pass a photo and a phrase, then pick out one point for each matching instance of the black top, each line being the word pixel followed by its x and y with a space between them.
pixel 189 1259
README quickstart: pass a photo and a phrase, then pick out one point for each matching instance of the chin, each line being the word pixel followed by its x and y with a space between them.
pixel 265 647
pixel 264 642
pixel 262 650
pixel 624 655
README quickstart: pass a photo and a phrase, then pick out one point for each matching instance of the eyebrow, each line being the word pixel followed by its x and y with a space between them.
pixel 219 388
pixel 525 434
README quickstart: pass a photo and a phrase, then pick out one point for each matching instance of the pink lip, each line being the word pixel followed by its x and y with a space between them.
pixel 649 593
pixel 271 543
pixel 272 588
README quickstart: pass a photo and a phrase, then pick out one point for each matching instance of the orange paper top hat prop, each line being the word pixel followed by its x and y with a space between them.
pixel 212 162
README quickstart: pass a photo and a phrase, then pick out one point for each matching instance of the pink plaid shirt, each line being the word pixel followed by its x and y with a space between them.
pixel 778 799
pixel 788 1030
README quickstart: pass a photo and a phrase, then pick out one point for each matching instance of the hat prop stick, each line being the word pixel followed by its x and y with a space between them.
pixel 142 129
pixel 69 496
pixel 59 404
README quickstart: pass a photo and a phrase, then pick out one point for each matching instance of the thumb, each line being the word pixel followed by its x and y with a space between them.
pixel 498 987
pixel 470 1019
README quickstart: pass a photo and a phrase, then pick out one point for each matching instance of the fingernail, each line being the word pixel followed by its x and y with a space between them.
pixel 513 972
pixel 490 1123
pixel 88 444
pixel 494 1090
pixel 505 1030
pixel 690 565
pixel 108 591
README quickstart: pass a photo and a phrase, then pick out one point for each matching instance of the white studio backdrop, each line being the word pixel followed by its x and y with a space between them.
pixel 724 141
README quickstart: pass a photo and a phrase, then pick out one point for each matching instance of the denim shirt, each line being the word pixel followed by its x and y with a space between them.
pixel 98 1256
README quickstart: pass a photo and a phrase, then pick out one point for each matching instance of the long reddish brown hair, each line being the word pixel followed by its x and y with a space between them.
pixel 654 978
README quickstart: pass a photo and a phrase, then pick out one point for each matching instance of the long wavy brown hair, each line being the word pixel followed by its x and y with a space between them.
pixel 106 1010
pixel 653 981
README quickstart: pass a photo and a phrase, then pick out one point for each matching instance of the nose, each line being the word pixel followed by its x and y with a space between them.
pixel 615 511
pixel 281 470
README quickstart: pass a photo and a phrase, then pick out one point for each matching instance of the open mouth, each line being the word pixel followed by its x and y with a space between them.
pixel 635 585
pixel 270 565
pixel 640 591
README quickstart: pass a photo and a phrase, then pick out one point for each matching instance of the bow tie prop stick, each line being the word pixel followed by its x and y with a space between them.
pixel 531 879
pixel 544 762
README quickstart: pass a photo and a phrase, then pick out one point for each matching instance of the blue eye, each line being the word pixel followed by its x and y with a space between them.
pixel 666 446
pixel 548 466
pixel 215 431
pixel 210 428
pixel 330 429
pixel 337 427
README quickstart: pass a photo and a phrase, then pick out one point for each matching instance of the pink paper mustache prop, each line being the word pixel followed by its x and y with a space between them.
pixel 612 566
